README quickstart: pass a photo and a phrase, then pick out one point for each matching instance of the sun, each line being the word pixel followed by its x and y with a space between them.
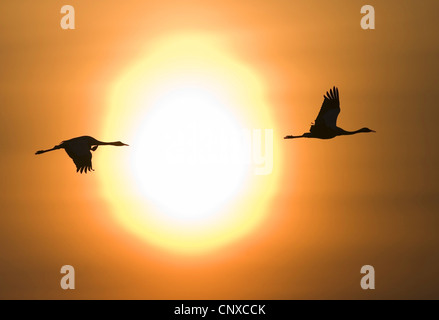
pixel 187 108
pixel 182 154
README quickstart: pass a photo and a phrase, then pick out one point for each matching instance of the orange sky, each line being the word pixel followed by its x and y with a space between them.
pixel 340 204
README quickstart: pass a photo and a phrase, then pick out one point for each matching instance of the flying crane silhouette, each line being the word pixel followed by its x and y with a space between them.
pixel 79 150
pixel 325 125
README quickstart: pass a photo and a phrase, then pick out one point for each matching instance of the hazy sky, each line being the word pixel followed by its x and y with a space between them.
pixel 339 204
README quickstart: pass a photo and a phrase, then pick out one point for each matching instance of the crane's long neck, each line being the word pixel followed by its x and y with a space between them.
pixel 102 143
pixel 97 143
pixel 348 133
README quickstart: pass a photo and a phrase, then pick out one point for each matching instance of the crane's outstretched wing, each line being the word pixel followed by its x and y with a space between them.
pixel 82 160
pixel 329 111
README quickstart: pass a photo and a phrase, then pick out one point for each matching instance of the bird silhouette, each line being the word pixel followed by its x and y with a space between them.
pixel 79 150
pixel 325 125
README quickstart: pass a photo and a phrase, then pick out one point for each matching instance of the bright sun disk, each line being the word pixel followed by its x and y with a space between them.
pixel 185 109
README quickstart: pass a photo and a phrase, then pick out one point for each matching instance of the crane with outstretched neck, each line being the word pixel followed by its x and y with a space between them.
pixel 325 125
pixel 79 149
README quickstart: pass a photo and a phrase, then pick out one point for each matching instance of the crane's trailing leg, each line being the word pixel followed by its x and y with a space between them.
pixel 43 151
pixel 305 135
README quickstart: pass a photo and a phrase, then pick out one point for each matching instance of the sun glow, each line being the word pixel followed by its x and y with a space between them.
pixel 191 134
pixel 186 109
